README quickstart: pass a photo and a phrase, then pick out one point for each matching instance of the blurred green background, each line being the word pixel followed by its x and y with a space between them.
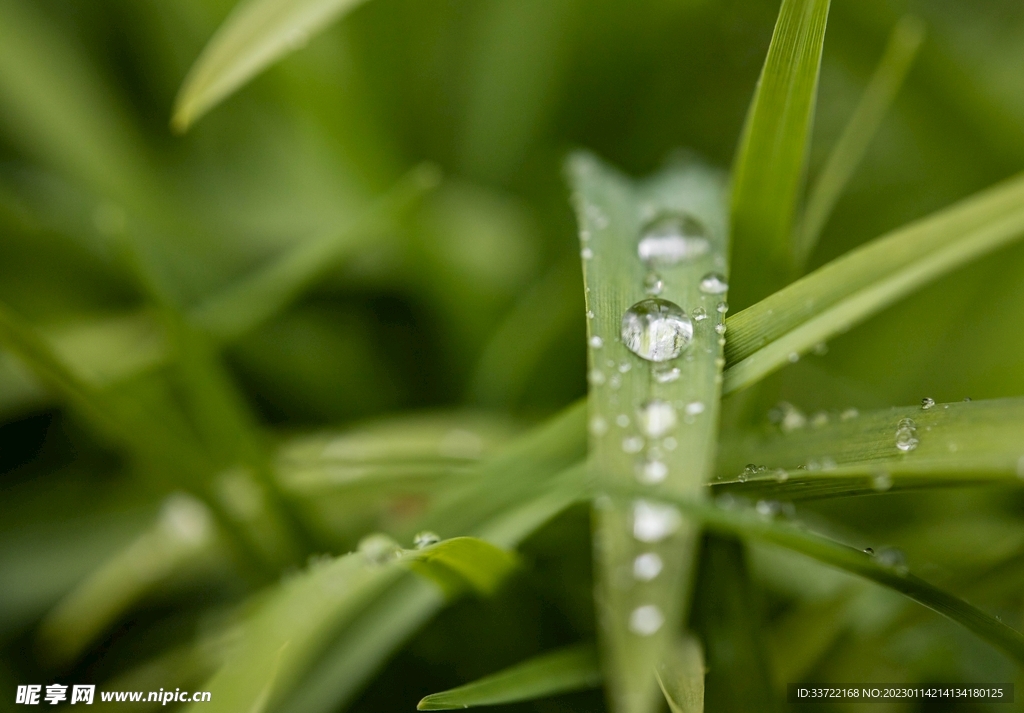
pixel 467 294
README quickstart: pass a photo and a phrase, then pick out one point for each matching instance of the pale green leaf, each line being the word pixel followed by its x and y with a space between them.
pixel 256 34
pixel 613 213
pixel 851 288
pixel 570 669
pixel 681 676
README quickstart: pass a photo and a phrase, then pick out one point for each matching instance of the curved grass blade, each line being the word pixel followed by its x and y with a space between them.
pixel 772 158
pixel 904 42
pixel 851 288
pixel 748 523
pixel 681 677
pixel 573 668
pixel 910 447
pixel 648 420
pixel 256 34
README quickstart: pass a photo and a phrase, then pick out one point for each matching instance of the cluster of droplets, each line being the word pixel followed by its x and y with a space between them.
pixel 906 435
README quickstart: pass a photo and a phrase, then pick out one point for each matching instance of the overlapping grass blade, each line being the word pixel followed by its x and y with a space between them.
pixel 768 175
pixel 748 523
pixel 946 444
pixel 613 214
pixel 681 676
pixel 569 669
pixel 851 288
pixel 256 34
pixel 846 155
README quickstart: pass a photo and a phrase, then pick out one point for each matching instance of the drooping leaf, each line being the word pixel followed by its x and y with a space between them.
pixel 570 669
pixel 649 419
pixel 256 34
pixel 846 155
pixel 768 175
pixel 851 288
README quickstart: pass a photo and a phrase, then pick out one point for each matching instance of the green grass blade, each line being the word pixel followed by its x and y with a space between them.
pixel 768 175
pixel 570 669
pixel 676 456
pixel 254 299
pixel 476 562
pixel 904 42
pixel 747 523
pixel 256 34
pixel 851 288
pixel 681 677
pixel 952 444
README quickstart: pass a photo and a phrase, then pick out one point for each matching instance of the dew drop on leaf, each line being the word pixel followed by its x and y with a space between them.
pixel 647 566
pixel 713 284
pixel 672 239
pixel 653 471
pixel 425 539
pixel 927 403
pixel 646 620
pixel 657 417
pixel 596 342
pixel 653 284
pixel 656 330
pixel 653 522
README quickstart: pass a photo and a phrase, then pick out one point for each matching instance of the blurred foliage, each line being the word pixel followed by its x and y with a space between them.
pixel 336 303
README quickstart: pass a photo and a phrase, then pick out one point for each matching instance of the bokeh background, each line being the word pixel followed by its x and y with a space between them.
pixel 468 295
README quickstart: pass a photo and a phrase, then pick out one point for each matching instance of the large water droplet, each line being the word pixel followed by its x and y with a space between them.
pixel 657 417
pixel 653 522
pixel 672 239
pixel 646 620
pixel 656 330
pixel 647 566
pixel 713 284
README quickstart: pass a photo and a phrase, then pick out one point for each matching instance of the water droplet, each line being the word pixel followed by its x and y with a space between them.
pixel 653 522
pixel 586 253
pixel 666 375
pixel 768 508
pixel 624 367
pixel 819 419
pixel 653 284
pixel 906 435
pixel 821 349
pixel 881 481
pixel 622 420
pixel 632 444
pixel 379 549
pixel 694 408
pixel 646 620
pixel 788 416
pixel 894 558
pixel 781 475
pixel 615 381
pixel 596 377
pixel 653 471
pixel 598 426
pixel 590 314
pixel 927 403
pixel 722 307
pixel 699 314
pixel 186 519
pixel 967 399
pixel 849 414
pixel 425 539
pixel 657 418
pixel 596 342
pixel 656 330
pixel 713 284
pixel 672 239
pixel 720 328
pixel 793 357
pixel 647 566
pixel 869 551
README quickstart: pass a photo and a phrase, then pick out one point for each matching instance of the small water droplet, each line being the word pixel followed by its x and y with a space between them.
pixel 894 558
pixel 722 307
pixel 653 284
pixel 720 328
pixel 653 471
pixel 713 284
pixel 819 419
pixel 869 551
pixel 622 420
pixel 653 522
pixel 821 349
pixel 788 416
pixel 615 381
pixel 596 377
pixel 657 417
pixel 647 566
pixel 378 549
pixel 186 519
pixel 586 253
pixel 793 357
pixel 632 444
pixel 590 314
pixel 906 435
pixel 646 620
pixel 598 426
pixel 768 508
pixel 699 314
pixel 849 414
pixel 656 330
pixel 967 399
pixel 781 475
pixel 666 375
pixel 881 481
pixel 672 239
pixel 425 539
pixel 624 367
pixel 596 342
pixel 694 408
pixel 927 403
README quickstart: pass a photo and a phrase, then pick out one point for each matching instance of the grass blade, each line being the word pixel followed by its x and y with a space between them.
pixel 772 158
pixel 855 286
pixel 686 203
pixel 747 523
pixel 681 677
pixel 571 669
pixel 256 34
pixel 949 444
pixel 904 42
